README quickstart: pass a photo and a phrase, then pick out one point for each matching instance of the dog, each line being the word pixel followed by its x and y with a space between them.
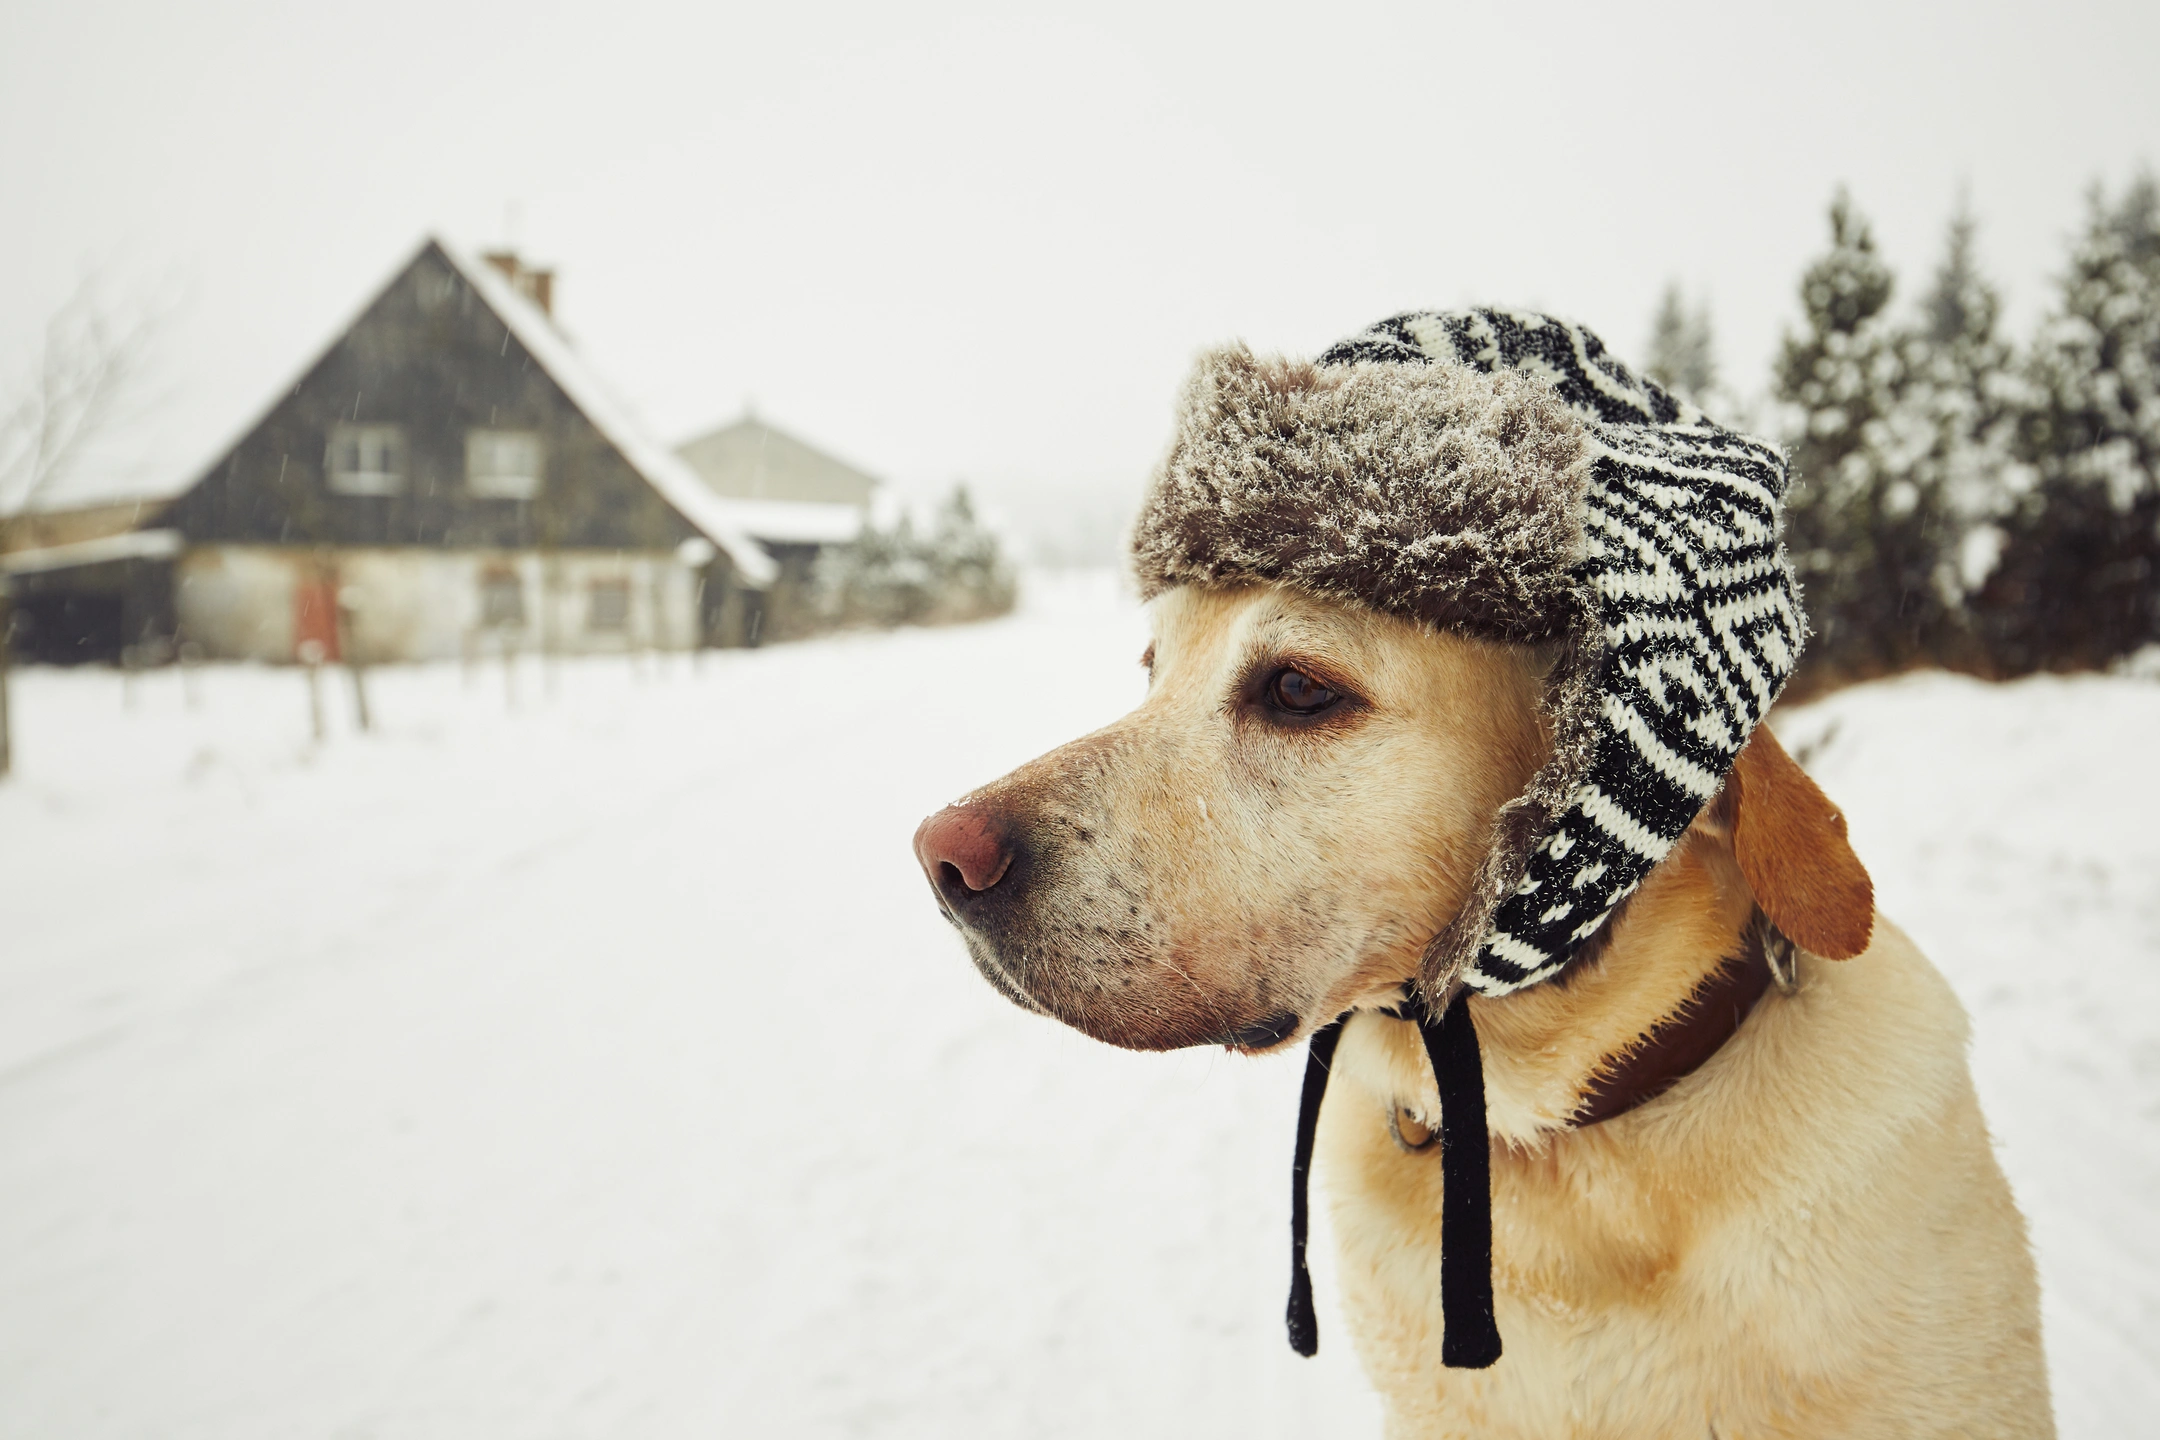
pixel 1806 1234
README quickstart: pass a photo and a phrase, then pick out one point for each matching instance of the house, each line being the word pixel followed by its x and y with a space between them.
pixel 793 498
pixel 448 474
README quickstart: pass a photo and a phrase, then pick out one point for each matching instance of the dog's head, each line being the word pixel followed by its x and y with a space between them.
pixel 1299 805
pixel 1278 830
pixel 1305 808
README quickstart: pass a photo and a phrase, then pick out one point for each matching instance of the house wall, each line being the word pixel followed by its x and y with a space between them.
pixel 237 602
pixel 245 602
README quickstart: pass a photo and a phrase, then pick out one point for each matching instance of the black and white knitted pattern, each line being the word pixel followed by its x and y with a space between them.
pixel 1700 624
pixel 1656 557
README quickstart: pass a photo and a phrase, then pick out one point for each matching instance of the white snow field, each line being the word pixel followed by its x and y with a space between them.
pixel 598 1066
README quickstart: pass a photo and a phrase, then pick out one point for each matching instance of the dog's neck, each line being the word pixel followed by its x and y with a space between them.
pixel 1543 1045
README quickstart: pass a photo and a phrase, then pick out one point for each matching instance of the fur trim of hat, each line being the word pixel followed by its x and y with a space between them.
pixel 1499 475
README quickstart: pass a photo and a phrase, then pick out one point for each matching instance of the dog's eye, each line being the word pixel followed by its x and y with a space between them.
pixel 1299 693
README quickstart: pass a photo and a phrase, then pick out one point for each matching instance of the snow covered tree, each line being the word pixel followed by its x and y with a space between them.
pixel 1681 357
pixel 973 579
pixel 1869 544
pixel 894 576
pixel 1949 432
pixel 881 578
pixel 2078 581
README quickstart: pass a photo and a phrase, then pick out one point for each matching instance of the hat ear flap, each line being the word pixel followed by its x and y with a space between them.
pixel 1792 849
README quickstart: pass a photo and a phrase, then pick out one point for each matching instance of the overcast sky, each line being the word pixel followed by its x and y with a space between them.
pixel 985 241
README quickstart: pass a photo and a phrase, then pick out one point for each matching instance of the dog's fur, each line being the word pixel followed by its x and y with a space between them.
pixel 1807 1236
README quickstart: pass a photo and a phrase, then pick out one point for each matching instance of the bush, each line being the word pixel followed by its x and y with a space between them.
pixel 891 577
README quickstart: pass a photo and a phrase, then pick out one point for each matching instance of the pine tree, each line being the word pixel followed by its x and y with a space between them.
pixel 1681 356
pixel 2078 583
pixel 879 579
pixel 1948 435
pixel 973 580
pixel 1867 543
pixel 894 576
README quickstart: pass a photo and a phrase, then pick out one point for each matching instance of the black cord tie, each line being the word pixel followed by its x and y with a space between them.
pixel 1471 1337
pixel 1304 1324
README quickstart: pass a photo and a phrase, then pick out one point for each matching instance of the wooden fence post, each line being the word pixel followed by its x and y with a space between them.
pixel 311 656
pixel 7 624
pixel 351 652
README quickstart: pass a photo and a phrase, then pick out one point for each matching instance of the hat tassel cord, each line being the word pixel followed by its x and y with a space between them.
pixel 1471 1337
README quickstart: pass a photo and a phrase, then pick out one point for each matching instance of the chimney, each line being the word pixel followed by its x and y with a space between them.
pixel 534 284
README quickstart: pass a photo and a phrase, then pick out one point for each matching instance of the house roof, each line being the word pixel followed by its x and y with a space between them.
pixel 665 471
pixel 753 459
pixel 779 488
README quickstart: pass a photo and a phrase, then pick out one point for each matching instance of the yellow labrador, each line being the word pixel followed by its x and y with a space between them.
pixel 1805 1234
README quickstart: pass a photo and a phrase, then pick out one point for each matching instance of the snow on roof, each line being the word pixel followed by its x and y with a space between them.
pixel 795 522
pixel 132 545
pixel 677 483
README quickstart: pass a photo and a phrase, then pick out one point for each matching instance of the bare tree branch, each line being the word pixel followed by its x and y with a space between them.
pixel 91 364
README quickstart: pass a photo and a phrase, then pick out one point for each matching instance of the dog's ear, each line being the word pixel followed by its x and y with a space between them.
pixel 1791 844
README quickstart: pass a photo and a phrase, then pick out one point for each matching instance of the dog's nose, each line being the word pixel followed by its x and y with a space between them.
pixel 963 851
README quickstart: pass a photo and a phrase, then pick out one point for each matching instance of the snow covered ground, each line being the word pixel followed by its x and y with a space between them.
pixel 596 1065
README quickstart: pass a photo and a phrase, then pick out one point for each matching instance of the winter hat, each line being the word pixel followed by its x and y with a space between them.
pixel 1499 474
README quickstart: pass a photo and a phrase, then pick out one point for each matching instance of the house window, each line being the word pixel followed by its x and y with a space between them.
pixel 502 464
pixel 502 598
pixel 366 459
pixel 608 606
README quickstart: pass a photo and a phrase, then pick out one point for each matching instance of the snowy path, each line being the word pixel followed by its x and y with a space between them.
pixel 599 1068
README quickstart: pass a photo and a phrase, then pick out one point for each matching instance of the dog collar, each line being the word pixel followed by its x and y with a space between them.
pixel 1679 1044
